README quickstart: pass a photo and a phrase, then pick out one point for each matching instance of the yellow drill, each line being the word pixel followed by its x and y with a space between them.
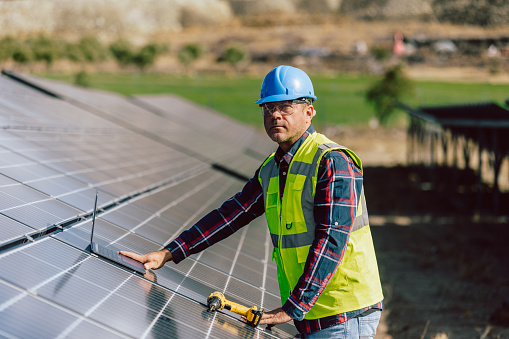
pixel 217 301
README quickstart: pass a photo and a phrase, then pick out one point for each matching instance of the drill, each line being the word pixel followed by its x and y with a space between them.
pixel 217 301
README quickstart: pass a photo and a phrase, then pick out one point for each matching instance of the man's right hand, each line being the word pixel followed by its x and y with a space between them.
pixel 153 260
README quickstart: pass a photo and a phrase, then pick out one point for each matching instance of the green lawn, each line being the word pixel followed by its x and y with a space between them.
pixel 340 99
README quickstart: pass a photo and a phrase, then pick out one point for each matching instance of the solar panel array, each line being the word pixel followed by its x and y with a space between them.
pixel 159 163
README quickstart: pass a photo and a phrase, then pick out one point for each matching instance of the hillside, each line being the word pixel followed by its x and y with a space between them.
pixel 140 18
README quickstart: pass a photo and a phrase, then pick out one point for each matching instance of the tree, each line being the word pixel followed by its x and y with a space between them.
pixel 234 55
pixel 22 54
pixel 123 51
pixel 147 54
pixel 385 93
pixel 190 53
pixel 7 48
pixel 82 79
pixel 92 49
pixel 74 53
pixel 45 49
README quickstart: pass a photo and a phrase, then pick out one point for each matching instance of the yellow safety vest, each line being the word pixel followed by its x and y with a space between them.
pixel 356 283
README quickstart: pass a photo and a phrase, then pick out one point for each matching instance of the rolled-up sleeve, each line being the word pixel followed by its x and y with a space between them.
pixel 220 223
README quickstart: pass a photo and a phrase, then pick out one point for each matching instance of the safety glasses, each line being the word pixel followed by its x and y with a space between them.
pixel 283 107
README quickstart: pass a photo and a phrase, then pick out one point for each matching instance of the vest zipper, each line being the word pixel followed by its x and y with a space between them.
pixel 279 247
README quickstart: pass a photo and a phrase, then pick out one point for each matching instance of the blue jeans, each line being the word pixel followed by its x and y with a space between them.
pixel 361 327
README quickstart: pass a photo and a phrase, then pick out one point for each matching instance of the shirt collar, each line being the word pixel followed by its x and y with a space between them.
pixel 281 155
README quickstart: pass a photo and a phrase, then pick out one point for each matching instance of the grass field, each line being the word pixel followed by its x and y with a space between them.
pixel 340 99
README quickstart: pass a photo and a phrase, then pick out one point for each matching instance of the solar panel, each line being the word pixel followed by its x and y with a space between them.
pixel 154 180
pixel 204 120
pixel 184 125
pixel 118 109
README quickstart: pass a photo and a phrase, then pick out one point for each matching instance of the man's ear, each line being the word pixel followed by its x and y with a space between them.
pixel 310 112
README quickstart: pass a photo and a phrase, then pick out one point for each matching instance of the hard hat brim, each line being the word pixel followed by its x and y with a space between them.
pixel 283 97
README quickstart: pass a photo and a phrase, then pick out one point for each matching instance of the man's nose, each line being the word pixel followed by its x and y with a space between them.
pixel 276 114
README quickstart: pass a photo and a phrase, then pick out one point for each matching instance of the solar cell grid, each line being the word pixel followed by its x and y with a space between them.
pixel 204 120
pixel 8 118
pixel 83 199
pixel 158 230
pixel 9 158
pixel 248 267
pixel 26 174
pixel 28 107
pixel 58 209
pixel 11 229
pixel 25 271
pixel 243 164
pixel 208 276
pixel 32 207
pixel 57 186
pixel 55 319
pixel 126 216
pixel 11 141
pixel 76 294
pixel 8 201
pixel 32 216
pixel 21 193
pixel 86 330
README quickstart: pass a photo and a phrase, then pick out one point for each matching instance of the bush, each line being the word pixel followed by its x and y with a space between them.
pixel 7 47
pixel 45 49
pixel 147 54
pixel 22 53
pixel 82 79
pixel 92 49
pixel 88 49
pixel 123 51
pixel 74 53
pixel 189 53
pixel 233 55
pixel 385 93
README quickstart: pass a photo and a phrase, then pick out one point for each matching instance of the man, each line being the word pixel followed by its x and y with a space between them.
pixel 311 191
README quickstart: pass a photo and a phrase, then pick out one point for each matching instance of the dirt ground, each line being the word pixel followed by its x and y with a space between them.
pixel 443 275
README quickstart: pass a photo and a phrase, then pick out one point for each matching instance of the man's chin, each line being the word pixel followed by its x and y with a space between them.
pixel 277 137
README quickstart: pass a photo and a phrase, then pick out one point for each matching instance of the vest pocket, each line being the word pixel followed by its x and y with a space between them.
pixel 302 254
pixel 271 212
pixel 298 184
pixel 272 199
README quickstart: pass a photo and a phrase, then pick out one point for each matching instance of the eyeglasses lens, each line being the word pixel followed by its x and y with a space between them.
pixel 285 108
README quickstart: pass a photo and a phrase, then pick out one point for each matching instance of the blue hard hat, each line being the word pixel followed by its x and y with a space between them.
pixel 286 83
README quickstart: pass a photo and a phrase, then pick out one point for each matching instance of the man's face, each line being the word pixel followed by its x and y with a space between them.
pixel 286 129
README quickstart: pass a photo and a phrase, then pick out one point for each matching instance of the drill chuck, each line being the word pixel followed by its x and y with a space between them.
pixel 214 303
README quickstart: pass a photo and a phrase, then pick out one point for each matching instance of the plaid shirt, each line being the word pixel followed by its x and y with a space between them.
pixel 338 191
